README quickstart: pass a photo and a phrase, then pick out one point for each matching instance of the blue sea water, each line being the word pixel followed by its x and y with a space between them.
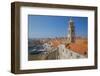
pixel 35 49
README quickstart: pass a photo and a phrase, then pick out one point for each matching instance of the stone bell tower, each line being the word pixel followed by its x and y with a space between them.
pixel 71 31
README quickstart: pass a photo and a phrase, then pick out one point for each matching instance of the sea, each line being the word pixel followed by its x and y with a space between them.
pixel 35 49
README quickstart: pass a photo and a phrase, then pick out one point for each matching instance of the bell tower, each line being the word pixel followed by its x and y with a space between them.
pixel 71 31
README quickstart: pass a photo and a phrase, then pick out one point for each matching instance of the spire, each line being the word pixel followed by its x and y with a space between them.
pixel 70 19
pixel 71 31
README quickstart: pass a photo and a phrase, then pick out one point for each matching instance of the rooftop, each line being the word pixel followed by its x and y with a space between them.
pixel 80 46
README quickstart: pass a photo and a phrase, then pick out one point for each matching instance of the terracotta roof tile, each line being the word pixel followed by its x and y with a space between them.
pixel 80 47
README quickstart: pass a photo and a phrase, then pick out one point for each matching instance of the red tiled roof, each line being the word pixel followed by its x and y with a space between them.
pixel 79 48
pixel 55 43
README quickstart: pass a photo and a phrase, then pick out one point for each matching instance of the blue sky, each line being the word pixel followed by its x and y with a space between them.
pixel 41 26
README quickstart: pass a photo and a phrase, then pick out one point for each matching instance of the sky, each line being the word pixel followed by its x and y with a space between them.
pixel 42 26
